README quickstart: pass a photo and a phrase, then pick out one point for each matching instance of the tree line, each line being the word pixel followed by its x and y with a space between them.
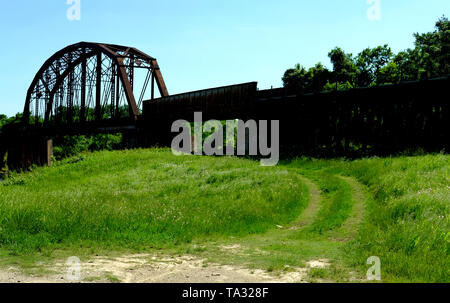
pixel 430 58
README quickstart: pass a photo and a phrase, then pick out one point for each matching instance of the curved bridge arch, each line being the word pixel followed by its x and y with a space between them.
pixel 90 81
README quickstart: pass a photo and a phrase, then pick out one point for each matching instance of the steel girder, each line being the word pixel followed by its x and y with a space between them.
pixel 72 72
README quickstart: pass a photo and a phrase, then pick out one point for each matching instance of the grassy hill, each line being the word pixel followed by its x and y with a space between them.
pixel 406 221
pixel 281 217
pixel 144 198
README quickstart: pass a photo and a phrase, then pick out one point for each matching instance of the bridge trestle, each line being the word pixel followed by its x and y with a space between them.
pixel 29 151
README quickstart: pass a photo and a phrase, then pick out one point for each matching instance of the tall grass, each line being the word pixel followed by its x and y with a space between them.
pixel 151 198
pixel 407 223
pixel 336 205
pixel 144 198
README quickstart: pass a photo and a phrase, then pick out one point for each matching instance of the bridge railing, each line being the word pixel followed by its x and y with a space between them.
pixel 367 121
pixel 218 102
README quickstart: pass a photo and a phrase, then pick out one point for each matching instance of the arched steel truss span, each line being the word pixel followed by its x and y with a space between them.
pixel 91 81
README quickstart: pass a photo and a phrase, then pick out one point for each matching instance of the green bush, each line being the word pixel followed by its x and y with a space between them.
pixel 69 146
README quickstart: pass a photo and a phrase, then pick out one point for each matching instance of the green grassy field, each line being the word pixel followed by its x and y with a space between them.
pixel 406 221
pixel 281 217
pixel 144 198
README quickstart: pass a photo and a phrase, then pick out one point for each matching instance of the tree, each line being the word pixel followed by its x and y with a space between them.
pixel 319 75
pixel 299 78
pixel 369 62
pixel 432 50
pixel 294 78
pixel 443 32
pixel 407 64
pixel 3 119
pixel 389 74
pixel 344 69
pixel 430 57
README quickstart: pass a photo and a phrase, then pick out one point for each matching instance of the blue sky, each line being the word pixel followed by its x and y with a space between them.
pixel 205 43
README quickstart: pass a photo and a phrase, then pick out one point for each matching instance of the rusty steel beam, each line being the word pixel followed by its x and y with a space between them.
pixel 63 76
pixel 113 91
pixel 159 79
pixel 83 87
pixel 61 84
pixel 128 90
pixel 131 72
pixel 98 87
pixel 117 101
pixel 153 86
pixel 70 97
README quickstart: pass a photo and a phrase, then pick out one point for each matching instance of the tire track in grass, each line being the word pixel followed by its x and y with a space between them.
pixel 298 248
pixel 308 214
pixel 349 228
pixel 336 204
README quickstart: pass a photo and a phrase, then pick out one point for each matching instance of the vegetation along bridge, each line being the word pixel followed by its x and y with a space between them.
pixel 90 88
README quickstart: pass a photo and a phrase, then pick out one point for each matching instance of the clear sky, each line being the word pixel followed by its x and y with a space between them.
pixel 205 43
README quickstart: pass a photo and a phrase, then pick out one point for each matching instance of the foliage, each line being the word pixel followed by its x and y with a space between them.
pixel 407 218
pixel 69 146
pixel 107 113
pixel 429 58
pixel 144 198
pixel 5 120
pixel 337 86
pixel 432 50
pixel 408 223
pixel 300 79
pixel 344 69
pixel 388 74
pixel 150 198
pixel 369 62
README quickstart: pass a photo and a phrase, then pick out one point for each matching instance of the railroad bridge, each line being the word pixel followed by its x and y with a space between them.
pixel 90 88
pixel 85 88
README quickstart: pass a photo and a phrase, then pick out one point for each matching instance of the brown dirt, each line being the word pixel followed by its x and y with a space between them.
pixel 145 268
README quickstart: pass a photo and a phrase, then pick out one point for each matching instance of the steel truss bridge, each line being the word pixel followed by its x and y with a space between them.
pixel 85 88
pixel 92 82
pixel 90 88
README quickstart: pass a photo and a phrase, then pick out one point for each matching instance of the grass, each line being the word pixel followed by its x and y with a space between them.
pixel 144 198
pixel 281 218
pixel 407 223
pixel 337 203
pixel 287 248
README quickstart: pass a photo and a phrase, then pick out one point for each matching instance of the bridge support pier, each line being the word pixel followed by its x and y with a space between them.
pixel 30 151
pixel 130 140
pixel 3 151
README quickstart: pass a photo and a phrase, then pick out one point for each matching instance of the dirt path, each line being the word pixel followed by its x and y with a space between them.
pixel 310 212
pixel 154 268
pixel 350 227
pixel 145 268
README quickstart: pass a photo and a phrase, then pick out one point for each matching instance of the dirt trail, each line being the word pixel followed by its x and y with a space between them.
pixel 144 268
pixel 359 196
pixel 310 212
pixel 155 268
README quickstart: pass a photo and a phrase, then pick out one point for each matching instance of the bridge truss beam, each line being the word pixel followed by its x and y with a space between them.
pixel 91 81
